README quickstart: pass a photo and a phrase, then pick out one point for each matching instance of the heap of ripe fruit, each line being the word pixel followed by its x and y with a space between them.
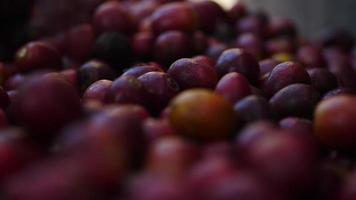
pixel 163 100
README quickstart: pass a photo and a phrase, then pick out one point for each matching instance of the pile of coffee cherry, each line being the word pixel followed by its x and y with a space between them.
pixel 177 100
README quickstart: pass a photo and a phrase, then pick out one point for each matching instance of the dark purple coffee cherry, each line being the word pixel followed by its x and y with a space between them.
pixel 98 91
pixel 339 92
pixel 45 105
pixel 93 71
pixel 253 108
pixel 191 74
pixel 283 75
pixel 128 90
pixel 297 100
pixel 267 65
pixel 215 49
pixel 37 55
pixel 141 69
pixel 161 89
pixel 300 126
pixel 237 60
pixel 233 86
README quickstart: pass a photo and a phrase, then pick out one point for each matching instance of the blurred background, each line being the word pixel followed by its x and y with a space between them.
pixel 311 16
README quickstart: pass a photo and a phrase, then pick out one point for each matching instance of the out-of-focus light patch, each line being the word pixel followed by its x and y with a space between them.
pixel 226 3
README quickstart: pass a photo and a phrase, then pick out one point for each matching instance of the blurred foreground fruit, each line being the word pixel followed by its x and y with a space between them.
pixel 334 122
pixel 45 105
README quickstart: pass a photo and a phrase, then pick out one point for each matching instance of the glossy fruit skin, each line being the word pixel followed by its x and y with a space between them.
pixel 297 100
pixel 93 71
pixel 201 114
pixel 298 125
pixel 113 48
pixel 338 92
pixel 174 16
pixel 253 108
pixel 334 126
pixel 172 45
pixel 267 65
pixel 191 74
pixel 98 91
pixel 127 90
pixel 285 74
pixel 45 105
pixel 37 55
pixel 204 59
pixel 233 86
pixel 111 16
pixel 161 88
pixel 215 49
pixel 237 60
pixel 70 75
pixel 141 69
pixel 148 102
pixel 14 82
pixel 322 79
pixel 141 10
